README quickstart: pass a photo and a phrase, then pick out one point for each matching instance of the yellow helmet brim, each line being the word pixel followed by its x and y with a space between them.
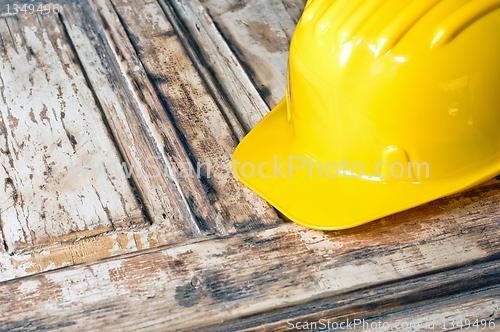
pixel 264 161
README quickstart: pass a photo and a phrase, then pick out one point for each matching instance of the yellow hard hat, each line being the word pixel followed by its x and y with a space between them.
pixel 389 104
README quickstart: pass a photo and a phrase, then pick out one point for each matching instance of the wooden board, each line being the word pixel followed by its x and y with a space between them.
pixel 258 32
pixel 443 252
pixel 222 68
pixel 157 130
pixel 193 113
pixel 177 83
pixel 61 174
pixel 460 299
pixel 441 249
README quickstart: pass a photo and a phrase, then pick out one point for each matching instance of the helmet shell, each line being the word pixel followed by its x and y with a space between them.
pixel 377 84
pixel 365 76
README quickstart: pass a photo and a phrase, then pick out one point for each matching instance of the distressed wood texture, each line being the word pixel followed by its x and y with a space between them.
pixel 51 126
pixel 161 87
pixel 162 200
pixel 441 302
pixel 223 67
pixel 444 252
pixel 205 135
pixel 64 170
pixel 171 168
pixel 258 33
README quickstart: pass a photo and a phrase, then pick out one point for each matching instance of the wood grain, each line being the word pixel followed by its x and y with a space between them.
pixel 463 305
pixel 224 68
pixel 61 174
pixel 205 135
pixel 422 300
pixel 213 86
pixel 155 139
pixel 156 182
pixel 258 32
pixel 92 162
pixel 447 246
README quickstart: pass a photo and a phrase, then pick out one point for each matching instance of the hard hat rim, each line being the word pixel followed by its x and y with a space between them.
pixel 303 201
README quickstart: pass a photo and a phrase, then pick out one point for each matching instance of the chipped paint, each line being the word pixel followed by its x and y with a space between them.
pixel 122 241
pixel 54 136
pixel 138 241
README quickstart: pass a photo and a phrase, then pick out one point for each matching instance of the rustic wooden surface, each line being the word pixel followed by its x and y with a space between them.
pixel 205 134
pixel 167 128
pixel 137 94
pixel 425 256
pixel 258 32
pixel 50 126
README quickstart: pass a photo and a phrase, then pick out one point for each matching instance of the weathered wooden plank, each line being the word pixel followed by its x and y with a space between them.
pixel 468 292
pixel 83 250
pixel 123 101
pixel 294 9
pixel 203 130
pixel 455 313
pixel 224 68
pixel 258 33
pixel 50 126
pixel 230 278
pixel 475 310
pixel 128 100
pixel 212 84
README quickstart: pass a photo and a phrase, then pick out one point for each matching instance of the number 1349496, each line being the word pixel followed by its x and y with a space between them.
pixel 466 324
pixel 13 9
